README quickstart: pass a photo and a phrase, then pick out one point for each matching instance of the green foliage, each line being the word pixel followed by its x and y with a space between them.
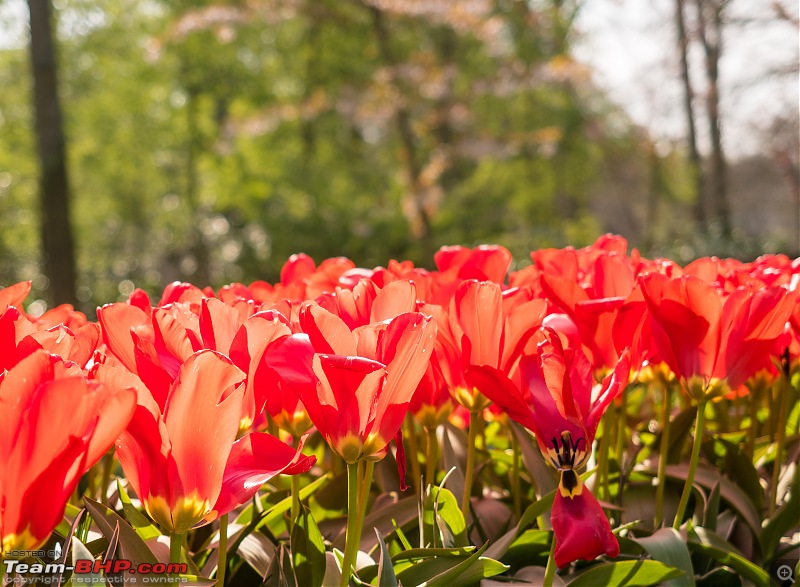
pixel 209 141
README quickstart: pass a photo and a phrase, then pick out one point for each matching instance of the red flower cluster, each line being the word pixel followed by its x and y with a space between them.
pixel 351 351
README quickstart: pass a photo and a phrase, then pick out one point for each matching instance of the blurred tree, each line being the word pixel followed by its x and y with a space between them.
pixel 58 257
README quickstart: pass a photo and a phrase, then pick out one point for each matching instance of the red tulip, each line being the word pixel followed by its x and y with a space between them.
pixel 365 378
pixel 181 454
pixel 556 401
pixel 54 425
pixel 700 333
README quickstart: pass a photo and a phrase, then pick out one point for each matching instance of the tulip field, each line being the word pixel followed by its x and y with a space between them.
pixel 592 418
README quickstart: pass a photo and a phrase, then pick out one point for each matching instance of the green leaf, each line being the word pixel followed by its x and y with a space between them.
pixel 679 428
pixel 423 553
pixel 641 573
pixel 280 572
pixel 308 550
pixel 667 546
pixel 401 512
pixel 132 546
pixel 137 519
pixel 729 491
pixel 80 552
pixel 451 570
pixel 283 506
pixel 710 544
pixel 544 476
pixel 386 576
pixel 441 508
pixel 712 509
pixel 783 521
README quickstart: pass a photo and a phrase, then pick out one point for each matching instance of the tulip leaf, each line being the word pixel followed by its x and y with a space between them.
pixel 137 519
pixel 442 512
pixel 733 461
pixel 679 428
pixel 667 546
pixel 783 521
pixel 308 550
pixel 451 570
pixel 279 573
pixel 422 553
pixel 712 509
pixel 545 477
pixel 639 573
pixel 729 491
pixel 531 547
pixel 132 546
pixel 386 576
pixel 452 462
pixel 79 552
pixel 283 506
pixel 712 545
pixel 401 512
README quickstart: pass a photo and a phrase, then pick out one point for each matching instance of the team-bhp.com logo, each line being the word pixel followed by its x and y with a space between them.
pixel 87 571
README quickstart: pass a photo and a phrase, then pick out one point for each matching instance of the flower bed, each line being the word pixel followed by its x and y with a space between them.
pixel 595 418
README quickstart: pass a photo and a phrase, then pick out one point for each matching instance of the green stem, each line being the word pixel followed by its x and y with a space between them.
pixel 698 440
pixel 515 485
pixel 108 465
pixel 752 432
pixel 473 435
pixel 175 543
pixel 602 457
pixel 413 450
pixel 621 441
pixel 222 561
pixel 662 456
pixel 550 570
pixel 350 548
pixel 295 501
pixel 779 443
pixel 432 457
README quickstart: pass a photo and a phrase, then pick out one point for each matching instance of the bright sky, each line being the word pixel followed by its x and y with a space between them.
pixel 631 46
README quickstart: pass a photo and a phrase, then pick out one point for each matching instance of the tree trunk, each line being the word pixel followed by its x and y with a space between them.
pixel 415 200
pixel 58 254
pixel 695 162
pixel 711 36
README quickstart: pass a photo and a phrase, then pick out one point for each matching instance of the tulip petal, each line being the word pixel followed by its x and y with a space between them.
pixel 581 529
pixel 198 408
pixel 254 460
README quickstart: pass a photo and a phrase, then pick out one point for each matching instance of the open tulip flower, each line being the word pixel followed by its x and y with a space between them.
pixel 558 402
pixel 181 454
pixel 54 425
pixel 366 378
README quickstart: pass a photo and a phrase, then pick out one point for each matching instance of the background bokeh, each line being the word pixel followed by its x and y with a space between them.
pixel 208 141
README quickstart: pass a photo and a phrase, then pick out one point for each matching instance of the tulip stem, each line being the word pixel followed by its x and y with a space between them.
pixel 413 449
pixel 602 457
pixel 780 440
pixel 175 543
pixel 662 455
pixel 295 501
pixel 222 560
pixel 473 436
pixel 352 512
pixel 108 465
pixel 432 458
pixel 621 438
pixel 515 485
pixel 698 440
pixel 357 496
pixel 550 569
